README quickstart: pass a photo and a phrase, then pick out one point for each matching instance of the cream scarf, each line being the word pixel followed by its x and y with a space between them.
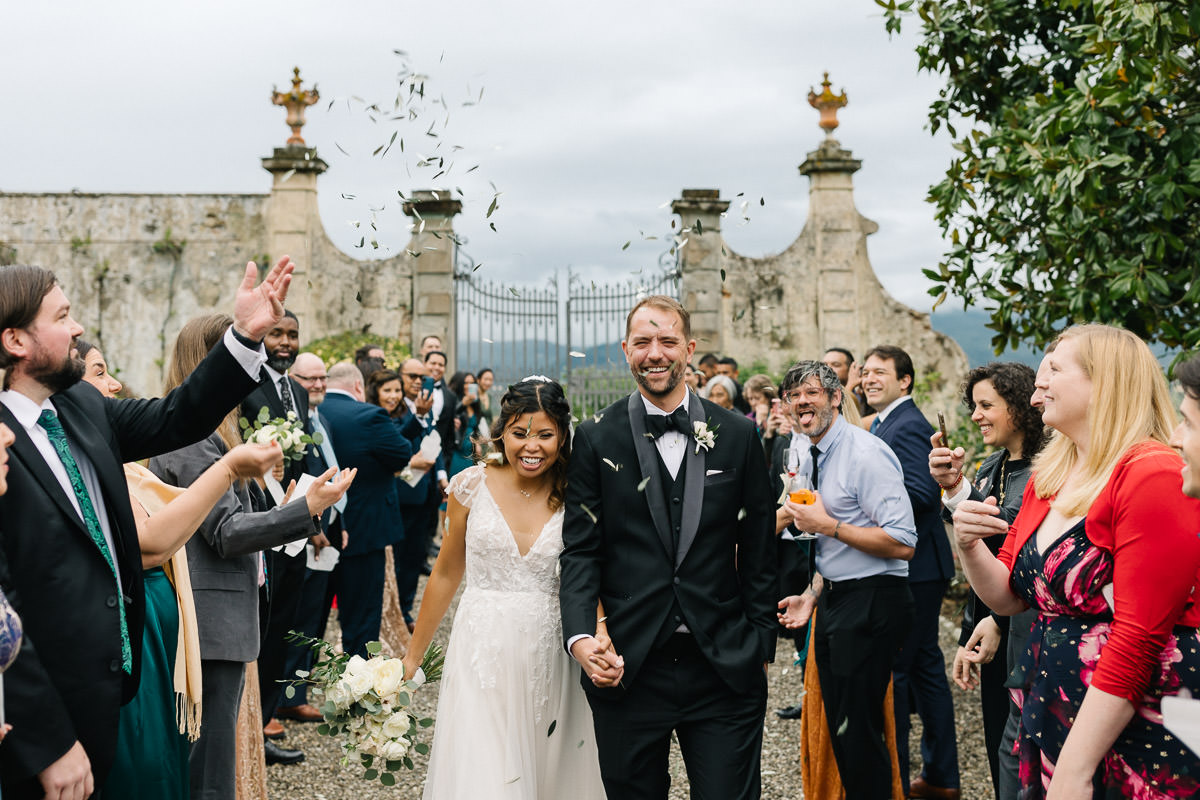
pixel 153 494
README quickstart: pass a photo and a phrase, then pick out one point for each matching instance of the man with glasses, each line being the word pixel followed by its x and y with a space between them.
pixel 865 536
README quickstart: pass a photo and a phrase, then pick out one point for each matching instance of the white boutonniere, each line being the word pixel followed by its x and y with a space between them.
pixel 705 438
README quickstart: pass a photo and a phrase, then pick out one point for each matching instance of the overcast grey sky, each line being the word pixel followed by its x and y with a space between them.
pixel 592 117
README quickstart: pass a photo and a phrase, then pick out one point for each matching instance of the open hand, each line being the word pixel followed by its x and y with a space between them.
pixel 257 309
pixel 796 610
pixel 327 489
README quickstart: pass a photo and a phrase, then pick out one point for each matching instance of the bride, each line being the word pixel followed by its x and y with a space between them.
pixel 512 720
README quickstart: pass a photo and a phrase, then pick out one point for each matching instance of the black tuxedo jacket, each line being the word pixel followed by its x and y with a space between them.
pixel 68 684
pixel 907 432
pixel 267 394
pixel 444 424
pixel 618 549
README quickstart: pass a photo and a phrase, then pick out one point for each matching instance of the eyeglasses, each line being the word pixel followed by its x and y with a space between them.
pixel 411 376
pixel 311 378
pixel 796 395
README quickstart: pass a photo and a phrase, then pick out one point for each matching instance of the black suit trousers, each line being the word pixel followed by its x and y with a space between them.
pixel 358 581
pixel 859 628
pixel 285 576
pixel 719 731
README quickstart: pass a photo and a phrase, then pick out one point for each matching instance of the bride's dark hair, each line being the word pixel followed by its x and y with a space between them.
pixel 529 397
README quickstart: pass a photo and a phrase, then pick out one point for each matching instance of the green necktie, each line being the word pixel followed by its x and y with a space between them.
pixel 58 437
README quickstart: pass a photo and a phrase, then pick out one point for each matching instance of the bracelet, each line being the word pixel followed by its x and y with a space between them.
pixel 947 489
pixel 835 529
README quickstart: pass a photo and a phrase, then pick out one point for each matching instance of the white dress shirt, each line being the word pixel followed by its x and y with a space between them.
pixel 672 445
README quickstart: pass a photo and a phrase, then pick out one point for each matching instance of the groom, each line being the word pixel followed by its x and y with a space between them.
pixel 669 523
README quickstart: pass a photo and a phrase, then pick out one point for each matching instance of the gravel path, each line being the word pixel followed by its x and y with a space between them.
pixel 321 776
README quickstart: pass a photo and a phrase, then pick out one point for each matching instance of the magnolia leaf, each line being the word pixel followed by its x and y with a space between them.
pixel 641 487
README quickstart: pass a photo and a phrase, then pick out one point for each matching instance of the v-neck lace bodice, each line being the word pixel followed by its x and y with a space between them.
pixel 494 562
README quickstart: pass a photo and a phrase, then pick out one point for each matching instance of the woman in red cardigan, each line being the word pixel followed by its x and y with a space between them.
pixel 1106 549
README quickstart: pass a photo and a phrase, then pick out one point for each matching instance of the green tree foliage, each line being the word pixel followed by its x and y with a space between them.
pixel 341 347
pixel 1073 196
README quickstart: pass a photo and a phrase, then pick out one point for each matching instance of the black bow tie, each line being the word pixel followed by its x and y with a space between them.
pixel 658 424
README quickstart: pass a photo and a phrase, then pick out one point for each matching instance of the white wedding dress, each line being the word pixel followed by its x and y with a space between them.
pixel 512 721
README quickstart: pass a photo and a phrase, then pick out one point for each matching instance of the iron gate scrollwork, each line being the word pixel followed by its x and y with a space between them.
pixel 518 330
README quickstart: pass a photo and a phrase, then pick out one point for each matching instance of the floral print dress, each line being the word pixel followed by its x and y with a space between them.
pixel 1074 618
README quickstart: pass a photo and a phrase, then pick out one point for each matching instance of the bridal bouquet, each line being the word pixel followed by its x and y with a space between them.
pixel 366 701
pixel 287 431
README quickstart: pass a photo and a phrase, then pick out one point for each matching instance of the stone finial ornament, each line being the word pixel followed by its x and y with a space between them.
pixel 828 104
pixel 295 102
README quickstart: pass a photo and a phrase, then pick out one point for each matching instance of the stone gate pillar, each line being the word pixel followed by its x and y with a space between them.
pixel 292 217
pixel 700 263
pixel 432 251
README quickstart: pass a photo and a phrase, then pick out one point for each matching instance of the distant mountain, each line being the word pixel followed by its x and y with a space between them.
pixel 969 329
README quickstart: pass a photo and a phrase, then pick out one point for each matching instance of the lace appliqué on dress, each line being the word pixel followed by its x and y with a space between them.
pixel 465 485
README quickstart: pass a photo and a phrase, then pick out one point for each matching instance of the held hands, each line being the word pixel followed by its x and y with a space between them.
pixel 599 660
pixel 257 309
pixel 328 489
pixel 253 460
pixel 795 610
pixel 974 520
pixel 70 777
pixel 945 465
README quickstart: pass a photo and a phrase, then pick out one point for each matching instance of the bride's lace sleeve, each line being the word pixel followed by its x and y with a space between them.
pixel 465 484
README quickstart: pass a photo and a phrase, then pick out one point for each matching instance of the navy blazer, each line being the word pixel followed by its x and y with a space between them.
pixel 907 432
pixel 365 438
pixel 426 491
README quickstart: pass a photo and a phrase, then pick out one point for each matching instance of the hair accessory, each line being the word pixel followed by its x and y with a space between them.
pixel 535 379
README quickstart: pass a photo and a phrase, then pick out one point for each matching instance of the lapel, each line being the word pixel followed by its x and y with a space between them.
pixel 109 472
pixel 693 484
pixel 648 460
pixel 27 453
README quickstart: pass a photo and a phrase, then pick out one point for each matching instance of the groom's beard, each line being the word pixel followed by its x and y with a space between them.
pixel 674 376
pixel 57 377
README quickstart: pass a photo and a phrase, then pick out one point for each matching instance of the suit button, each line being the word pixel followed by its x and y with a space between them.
pixel 677 619
pixel 112 601
pixel 115 665
pixel 677 581
pixel 675 500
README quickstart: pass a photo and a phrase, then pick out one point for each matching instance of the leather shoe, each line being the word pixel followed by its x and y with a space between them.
pixel 278 755
pixel 791 712
pixel 923 789
pixel 300 713
pixel 273 730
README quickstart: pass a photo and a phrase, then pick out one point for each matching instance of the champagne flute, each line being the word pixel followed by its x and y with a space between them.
pixel 801 491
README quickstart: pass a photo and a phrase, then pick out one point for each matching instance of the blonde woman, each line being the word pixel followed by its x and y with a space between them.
pixel 1105 549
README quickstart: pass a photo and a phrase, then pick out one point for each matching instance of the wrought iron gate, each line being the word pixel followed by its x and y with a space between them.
pixel 518 331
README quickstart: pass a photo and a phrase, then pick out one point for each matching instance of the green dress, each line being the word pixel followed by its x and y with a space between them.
pixel 152 755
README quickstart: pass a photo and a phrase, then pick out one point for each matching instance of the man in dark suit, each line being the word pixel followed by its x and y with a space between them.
pixel 444 401
pixel 280 596
pixel 364 436
pixel 669 524
pixel 70 538
pixel 920 668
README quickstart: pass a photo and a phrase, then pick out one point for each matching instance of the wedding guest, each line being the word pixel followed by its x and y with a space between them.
pixel 865 538
pixel 998 397
pixel 708 366
pixel 486 379
pixel 758 392
pixel 920 669
pixel 1105 549
pixel 728 366
pixel 364 437
pixel 72 517
pixel 444 402
pixel 384 389
pixel 720 390
pixel 849 373
pixel 162 720
pixel 429 344
pixel 226 565
pixel 507 680
pixel 693 378
pixel 669 525
pixel 466 421
pixel 369 358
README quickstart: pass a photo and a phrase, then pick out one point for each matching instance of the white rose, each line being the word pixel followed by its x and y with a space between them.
pixel 339 695
pixel 389 675
pixel 397 725
pixel 393 750
pixel 357 683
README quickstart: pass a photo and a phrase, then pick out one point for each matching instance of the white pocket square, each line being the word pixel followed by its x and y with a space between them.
pixel 713 472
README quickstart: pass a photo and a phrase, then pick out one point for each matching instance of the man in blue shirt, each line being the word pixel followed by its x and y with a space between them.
pixel 865 536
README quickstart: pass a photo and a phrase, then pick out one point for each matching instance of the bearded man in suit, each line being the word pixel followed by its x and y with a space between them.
pixel 670 526
pixel 69 533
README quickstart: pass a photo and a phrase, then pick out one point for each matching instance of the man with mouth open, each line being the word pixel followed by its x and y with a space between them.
pixel 865 536
pixel 669 526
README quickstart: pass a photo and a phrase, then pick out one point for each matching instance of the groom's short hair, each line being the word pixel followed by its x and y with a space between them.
pixel 663 303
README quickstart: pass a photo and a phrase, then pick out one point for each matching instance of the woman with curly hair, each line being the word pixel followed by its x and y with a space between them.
pixel 998 397
pixel 512 720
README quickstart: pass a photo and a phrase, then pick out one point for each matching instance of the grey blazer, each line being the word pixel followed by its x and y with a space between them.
pixel 221 556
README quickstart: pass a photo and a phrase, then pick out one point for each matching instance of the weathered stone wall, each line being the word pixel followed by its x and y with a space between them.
pixel 820 292
pixel 132 286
